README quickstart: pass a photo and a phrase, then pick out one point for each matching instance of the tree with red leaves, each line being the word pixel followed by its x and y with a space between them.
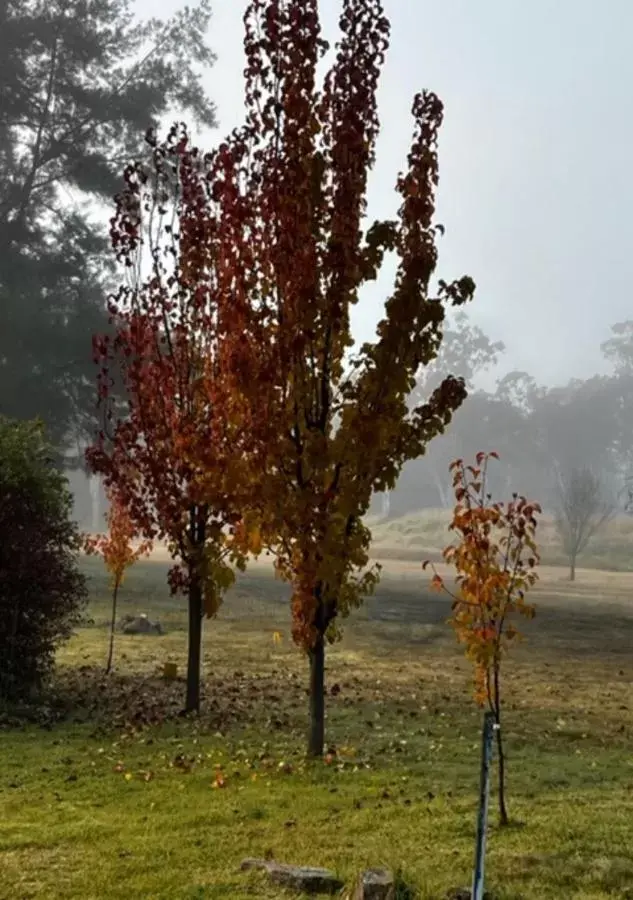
pixel 495 558
pixel 176 456
pixel 118 553
pixel 331 428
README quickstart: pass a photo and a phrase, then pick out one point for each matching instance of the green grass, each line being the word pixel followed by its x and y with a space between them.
pixel 425 534
pixel 400 791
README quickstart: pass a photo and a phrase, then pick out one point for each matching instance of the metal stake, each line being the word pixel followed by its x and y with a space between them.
pixel 490 726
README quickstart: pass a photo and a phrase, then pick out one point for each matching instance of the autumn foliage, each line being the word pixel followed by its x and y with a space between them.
pixel 176 454
pixel 252 421
pixel 495 557
pixel 329 424
pixel 118 551
pixel 116 547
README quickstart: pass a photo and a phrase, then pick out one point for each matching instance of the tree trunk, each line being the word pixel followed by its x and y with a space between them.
pixel 194 653
pixel 445 499
pixel 503 812
pixel 316 736
pixel 115 595
pixel 94 486
pixel 572 568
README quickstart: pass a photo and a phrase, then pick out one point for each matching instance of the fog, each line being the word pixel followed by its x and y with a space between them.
pixel 535 193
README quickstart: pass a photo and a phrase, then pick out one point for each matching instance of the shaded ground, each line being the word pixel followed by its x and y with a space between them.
pixel 89 811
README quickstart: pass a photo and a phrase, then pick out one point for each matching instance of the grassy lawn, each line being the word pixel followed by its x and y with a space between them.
pixel 89 810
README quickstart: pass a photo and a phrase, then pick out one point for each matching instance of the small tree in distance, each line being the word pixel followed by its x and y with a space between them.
pixel 582 509
pixel 495 558
pixel 117 552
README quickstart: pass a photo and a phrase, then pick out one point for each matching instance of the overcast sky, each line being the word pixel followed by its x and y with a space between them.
pixel 536 156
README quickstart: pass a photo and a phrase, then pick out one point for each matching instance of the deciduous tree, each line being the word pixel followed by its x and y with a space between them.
pixel 332 426
pixel 118 553
pixel 178 457
pixel 582 509
pixel 466 351
pixel 495 557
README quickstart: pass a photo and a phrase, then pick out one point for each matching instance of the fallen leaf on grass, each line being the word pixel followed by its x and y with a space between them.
pixel 218 781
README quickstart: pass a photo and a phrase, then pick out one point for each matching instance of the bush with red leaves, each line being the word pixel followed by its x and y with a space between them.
pixel 42 591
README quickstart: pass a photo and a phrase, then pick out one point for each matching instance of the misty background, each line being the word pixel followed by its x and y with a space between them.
pixel 535 190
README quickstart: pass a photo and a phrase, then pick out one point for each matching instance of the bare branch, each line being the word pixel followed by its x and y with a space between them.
pixel 583 507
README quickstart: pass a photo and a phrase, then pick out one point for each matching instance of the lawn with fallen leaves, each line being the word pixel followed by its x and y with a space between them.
pixel 109 793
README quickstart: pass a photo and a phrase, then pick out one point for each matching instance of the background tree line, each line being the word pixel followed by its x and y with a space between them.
pixel 80 83
pixel 544 434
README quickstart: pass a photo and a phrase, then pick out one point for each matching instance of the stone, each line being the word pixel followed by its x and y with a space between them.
pixel 375 884
pixel 139 625
pixel 306 879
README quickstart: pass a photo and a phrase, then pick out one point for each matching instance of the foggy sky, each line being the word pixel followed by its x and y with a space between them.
pixel 535 160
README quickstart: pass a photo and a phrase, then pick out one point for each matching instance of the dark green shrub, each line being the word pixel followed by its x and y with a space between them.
pixel 42 592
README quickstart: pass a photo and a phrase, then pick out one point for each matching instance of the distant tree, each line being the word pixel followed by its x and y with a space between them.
pixel 495 557
pixel 562 427
pixel 330 430
pixel 426 483
pixel 618 350
pixel 582 509
pixel 466 351
pixel 118 553
pixel 483 416
pixel 42 592
pixel 576 424
pixel 80 83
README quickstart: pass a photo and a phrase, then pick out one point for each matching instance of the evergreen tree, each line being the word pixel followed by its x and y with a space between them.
pixel 80 84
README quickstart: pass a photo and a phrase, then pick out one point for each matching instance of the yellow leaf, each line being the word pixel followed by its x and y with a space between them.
pixel 256 541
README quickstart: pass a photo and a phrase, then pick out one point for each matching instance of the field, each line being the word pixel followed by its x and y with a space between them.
pixel 95 810
pixel 426 533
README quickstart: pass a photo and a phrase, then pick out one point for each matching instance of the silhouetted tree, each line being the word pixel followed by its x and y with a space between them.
pixel 80 83
pixel 582 509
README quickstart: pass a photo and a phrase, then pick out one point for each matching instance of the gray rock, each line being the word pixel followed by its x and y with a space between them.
pixel 375 884
pixel 308 879
pixel 139 625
